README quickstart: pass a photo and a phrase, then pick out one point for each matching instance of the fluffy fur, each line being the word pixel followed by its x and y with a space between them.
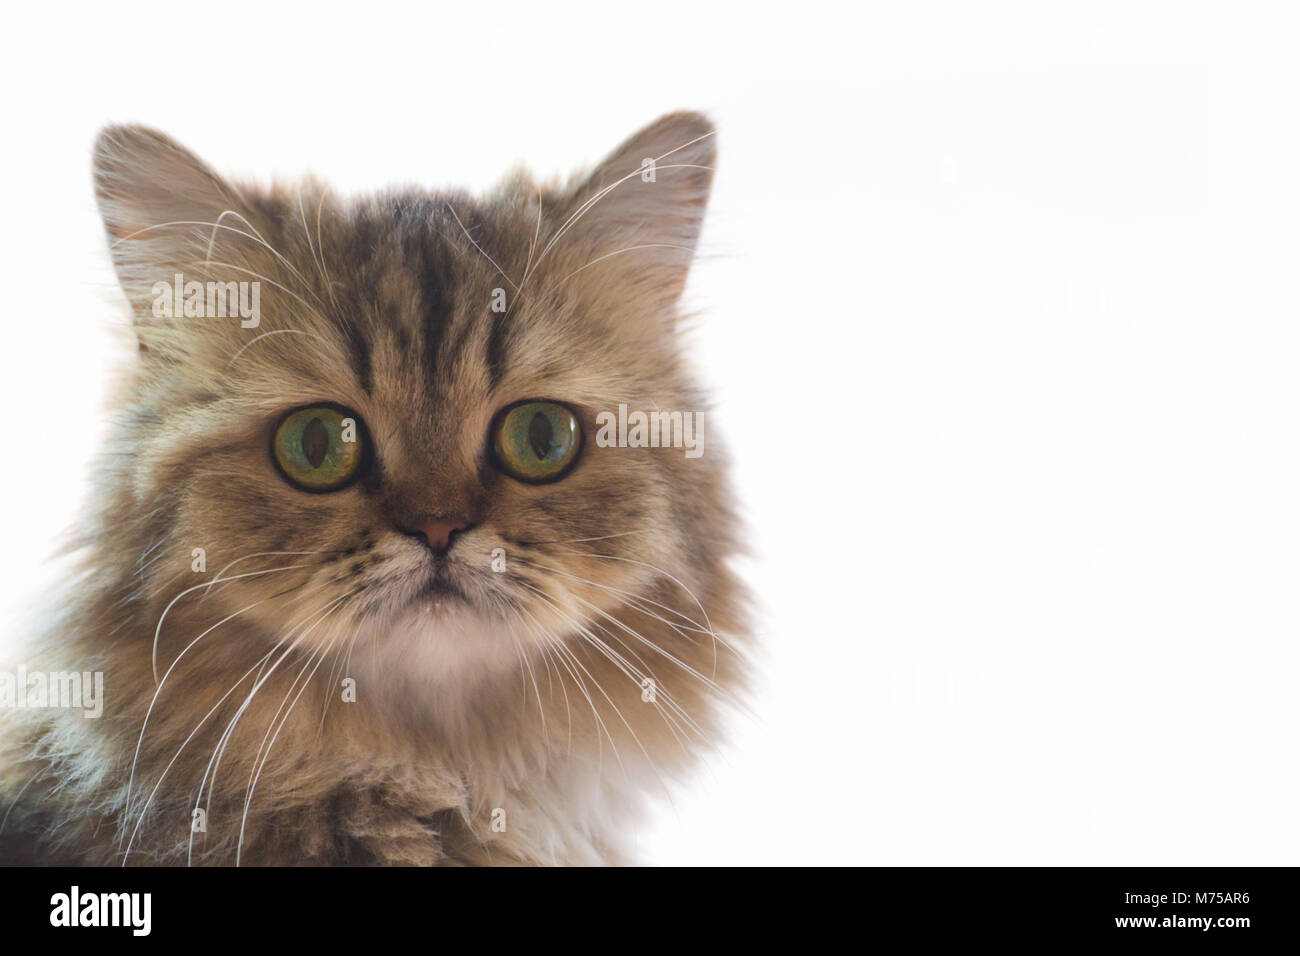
pixel 518 701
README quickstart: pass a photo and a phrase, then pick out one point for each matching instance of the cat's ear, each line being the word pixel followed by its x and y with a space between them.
pixel 640 211
pixel 160 203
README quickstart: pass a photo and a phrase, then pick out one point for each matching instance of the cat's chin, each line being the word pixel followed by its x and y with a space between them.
pixel 425 590
pixel 436 636
pixel 439 600
pixel 438 608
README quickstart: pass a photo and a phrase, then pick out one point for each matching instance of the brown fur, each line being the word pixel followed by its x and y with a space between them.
pixel 524 703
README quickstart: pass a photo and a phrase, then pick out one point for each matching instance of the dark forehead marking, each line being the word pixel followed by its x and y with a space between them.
pixel 340 304
pixel 496 347
pixel 359 352
pixel 354 294
pixel 418 224
pixel 476 231
pixel 462 336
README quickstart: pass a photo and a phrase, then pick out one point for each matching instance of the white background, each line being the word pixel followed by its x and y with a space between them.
pixel 1001 311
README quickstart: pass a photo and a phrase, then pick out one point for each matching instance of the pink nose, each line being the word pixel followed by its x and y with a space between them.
pixel 437 532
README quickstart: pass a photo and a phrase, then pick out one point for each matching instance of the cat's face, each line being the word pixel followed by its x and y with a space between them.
pixel 398 449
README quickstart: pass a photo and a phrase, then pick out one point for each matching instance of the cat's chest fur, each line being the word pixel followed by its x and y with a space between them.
pixel 349 770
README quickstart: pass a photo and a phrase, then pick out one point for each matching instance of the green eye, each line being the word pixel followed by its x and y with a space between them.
pixel 536 441
pixel 319 448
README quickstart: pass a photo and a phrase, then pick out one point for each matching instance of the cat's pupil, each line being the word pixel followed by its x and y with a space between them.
pixel 315 442
pixel 541 435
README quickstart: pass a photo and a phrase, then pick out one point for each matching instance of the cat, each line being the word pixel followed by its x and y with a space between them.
pixel 361 582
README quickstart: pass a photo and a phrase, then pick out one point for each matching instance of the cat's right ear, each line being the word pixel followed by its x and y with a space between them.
pixel 161 206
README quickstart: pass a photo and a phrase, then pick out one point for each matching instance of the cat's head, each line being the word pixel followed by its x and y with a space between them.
pixel 391 433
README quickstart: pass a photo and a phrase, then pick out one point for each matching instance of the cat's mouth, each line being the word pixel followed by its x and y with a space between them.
pixel 436 597
pixel 422 589
pixel 434 586
pixel 439 587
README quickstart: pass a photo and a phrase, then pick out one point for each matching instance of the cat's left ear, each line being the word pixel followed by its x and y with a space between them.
pixel 640 212
pixel 160 204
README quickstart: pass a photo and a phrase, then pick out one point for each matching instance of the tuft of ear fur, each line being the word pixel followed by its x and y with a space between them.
pixel 164 210
pixel 144 179
pixel 639 213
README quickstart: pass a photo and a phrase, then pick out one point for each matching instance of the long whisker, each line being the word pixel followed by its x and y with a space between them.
pixel 235 214
pixel 30 780
pixel 218 750
pixel 631 599
pixel 617 710
pixel 302 213
pixel 601 194
pixel 630 671
pixel 547 649
pixel 541 711
pixel 565 658
pixel 689 593
pixel 252 786
pixel 342 664
pixel 145 809
pixel 329 282
pixel 260 554
pixel 314 617
pixel 158 691
pixel 480 248
pixel 537 234
pixel 609 255
pixel 246 574
pixel 247 345
pixel 218 224
pixel 269 281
